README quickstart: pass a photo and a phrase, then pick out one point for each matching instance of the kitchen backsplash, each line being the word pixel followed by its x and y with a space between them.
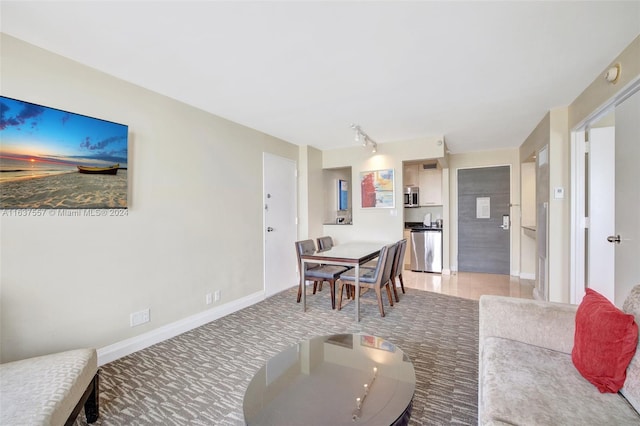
pixel 416 214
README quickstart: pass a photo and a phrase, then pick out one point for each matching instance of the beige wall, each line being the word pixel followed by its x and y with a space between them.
pixel 538 138
pixel 559 208
pixel 555 130
pixel 378 224
pixel 309 177
pixel 71 282
pixel 600 91
pixel 528 247
pixel 485 159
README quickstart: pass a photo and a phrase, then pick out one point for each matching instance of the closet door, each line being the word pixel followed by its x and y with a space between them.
pixel 627 216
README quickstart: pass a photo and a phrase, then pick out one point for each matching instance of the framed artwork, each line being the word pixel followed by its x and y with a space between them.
pixel 55 159
pixel 377 188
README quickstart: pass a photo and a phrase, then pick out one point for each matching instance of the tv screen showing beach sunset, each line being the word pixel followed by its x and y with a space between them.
pixel 54 159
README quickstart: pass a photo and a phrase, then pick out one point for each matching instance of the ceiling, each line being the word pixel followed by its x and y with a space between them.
pixel 483 74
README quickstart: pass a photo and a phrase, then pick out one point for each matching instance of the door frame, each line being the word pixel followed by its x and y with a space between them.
pixel 579 221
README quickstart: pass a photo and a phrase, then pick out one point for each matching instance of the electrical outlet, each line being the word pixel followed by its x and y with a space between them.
pixel 216 295
pixel 139 317
pixel 209 298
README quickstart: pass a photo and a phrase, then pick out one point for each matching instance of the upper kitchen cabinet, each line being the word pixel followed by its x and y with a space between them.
pixel 411 175
pixel 430 183
pixel 427 176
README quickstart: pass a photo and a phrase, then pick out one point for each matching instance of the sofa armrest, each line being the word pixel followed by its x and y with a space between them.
pixel 546 324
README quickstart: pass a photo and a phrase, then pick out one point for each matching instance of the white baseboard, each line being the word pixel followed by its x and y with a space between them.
pixel 528 275
pixel 515 273
pixel 446 272
pixel 126 347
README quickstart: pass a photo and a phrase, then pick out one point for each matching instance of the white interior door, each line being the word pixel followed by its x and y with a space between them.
pixel 627 225
pixel 280 229
pixel 601 200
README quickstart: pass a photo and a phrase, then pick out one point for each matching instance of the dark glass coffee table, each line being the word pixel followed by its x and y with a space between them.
pixel 343 379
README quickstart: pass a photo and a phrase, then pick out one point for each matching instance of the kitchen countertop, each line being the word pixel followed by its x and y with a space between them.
pixel 419 226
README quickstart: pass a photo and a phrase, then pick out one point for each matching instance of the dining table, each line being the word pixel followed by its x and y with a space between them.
pixel 352 254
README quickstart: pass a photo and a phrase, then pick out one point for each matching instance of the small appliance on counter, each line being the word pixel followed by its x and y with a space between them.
pixel 427 220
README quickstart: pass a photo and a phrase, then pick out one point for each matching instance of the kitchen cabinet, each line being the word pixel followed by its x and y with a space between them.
pixel 411 175
pixel 430 183
pixel 407 253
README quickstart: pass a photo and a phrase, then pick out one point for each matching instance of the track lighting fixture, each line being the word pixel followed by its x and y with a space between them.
pixel 366 140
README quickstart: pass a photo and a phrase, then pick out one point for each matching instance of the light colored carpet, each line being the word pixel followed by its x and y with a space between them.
pixel 199 377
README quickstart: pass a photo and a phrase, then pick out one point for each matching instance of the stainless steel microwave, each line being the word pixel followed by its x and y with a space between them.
pixel 411 196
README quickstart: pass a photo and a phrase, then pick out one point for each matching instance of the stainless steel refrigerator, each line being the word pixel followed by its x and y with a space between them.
pixel 426 250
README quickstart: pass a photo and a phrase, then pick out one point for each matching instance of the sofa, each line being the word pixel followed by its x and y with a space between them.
pixel 50 389
pixel 526 373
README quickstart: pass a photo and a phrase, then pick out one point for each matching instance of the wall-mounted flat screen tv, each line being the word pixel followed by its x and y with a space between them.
pixel 55 159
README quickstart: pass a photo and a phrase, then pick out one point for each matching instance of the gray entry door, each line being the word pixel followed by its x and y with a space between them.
pixel 483 201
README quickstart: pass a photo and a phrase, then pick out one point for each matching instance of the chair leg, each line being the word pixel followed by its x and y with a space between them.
pixel 315 286
pixel 389 294
pixel 395 289
pixel 401 282
pixel 89 401
pixel 92 406
pixel 332 285
pixel 299 292
pixel 379 297
pixel 340 295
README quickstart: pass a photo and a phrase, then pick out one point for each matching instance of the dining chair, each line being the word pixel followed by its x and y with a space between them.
pixel 325 243
pixel 374 278
pixel 317 273
pixel 398 263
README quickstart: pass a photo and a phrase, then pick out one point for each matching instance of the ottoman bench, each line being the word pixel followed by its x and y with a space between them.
pixel 50 389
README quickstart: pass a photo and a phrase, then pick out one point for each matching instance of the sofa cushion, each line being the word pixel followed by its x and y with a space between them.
pixel 605 341
pixel 631 388
pixel 522 384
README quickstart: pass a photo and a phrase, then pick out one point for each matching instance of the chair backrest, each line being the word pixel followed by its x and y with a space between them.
pixel 382 273
pixel 325 243
pixel 388 264
pixel 397 261
pixel 305 247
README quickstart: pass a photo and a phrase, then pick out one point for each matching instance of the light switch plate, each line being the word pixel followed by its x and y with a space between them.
pixel 558 192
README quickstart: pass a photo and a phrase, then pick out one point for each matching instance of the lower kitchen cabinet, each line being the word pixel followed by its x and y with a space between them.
pixel 407 253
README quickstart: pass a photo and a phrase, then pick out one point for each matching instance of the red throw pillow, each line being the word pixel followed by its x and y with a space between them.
pixel 605 341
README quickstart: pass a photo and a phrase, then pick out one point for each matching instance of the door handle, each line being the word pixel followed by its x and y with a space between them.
pixel 269 229
pixel 614 239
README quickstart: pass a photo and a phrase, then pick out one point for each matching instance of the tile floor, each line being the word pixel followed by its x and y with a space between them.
pixel 469 285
